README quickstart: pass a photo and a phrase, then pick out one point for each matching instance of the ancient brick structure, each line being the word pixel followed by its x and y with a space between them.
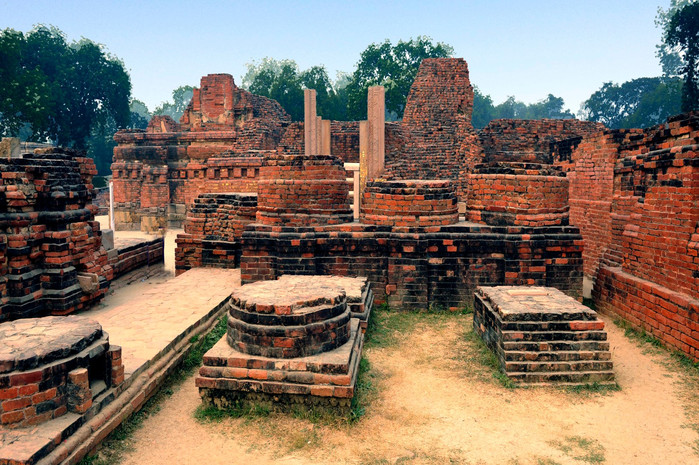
pixel 51 256
pixel 303 190
pixel 533 141
pixel 409 203
pixel 291 341
pixel 213 230
pixel 53 365
pixel 438 139
pixel 518 194
pixel 217 146
pixel 542 336
pixel 634 195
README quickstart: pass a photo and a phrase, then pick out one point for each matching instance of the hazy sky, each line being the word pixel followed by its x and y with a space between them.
pixel 523 48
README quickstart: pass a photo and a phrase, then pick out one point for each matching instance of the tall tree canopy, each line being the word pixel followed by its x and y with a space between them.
pixel 638 103
pixel 669 55
pixel 683 32
pixel 58 91
pixel 282 81
pixel 180 99
pixel 395 68
pixel 484 110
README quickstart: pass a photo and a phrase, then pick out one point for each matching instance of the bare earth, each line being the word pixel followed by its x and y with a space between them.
pixel 434 404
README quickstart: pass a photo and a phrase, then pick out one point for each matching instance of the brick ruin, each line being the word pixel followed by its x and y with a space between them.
pixel 544 201
pixel 292 341
pixel 51 256
pixel 634 194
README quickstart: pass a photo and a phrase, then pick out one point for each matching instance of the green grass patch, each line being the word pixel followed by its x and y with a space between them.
pixel 113 448
pixel 478 352
pixel 593 389
pixel 581 449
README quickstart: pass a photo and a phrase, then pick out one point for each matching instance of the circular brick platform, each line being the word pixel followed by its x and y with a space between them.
pixel 36 358
pixel 411 203
pixel 296 317
pixel 518 194
pixel 303 190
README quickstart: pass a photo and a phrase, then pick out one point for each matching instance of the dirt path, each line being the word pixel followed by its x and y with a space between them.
pixel 434 404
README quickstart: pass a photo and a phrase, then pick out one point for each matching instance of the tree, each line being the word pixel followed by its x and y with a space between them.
pixel 282 81
pixel 140 116
pixel 669 56
pixel 484 111
pixel 395 68
pixel 180 99
pixel 56 91
pixel 683 32
pixel 641 102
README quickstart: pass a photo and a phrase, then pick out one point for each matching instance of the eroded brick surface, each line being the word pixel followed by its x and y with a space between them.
pixel 541 335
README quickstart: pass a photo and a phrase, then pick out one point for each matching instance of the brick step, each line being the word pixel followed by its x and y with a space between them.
pixel 576 325
pixel 540 336
pixel 556 356
pixel 572 377
pixel 555 346
pixel 557 367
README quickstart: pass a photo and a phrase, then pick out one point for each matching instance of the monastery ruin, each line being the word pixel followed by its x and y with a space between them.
pixel 320 219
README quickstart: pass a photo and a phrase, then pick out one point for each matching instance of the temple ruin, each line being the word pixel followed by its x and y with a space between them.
pixel 309 223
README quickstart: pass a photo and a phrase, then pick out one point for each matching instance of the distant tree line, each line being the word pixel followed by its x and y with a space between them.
pixel 78 95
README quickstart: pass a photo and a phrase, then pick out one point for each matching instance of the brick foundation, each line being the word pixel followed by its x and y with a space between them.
pixel 70 363
pixel 542 336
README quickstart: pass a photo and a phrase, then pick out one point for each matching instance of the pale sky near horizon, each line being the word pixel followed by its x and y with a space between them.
pixel 523 48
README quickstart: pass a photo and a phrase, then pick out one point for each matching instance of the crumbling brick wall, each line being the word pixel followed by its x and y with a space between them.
pixel 436 122
pixel 213 230
pixel 49 235
pixel 216 147
pixel 518 140
pixel 634 195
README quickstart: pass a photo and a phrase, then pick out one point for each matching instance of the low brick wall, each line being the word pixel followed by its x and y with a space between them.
pixel 419 268
pixel 409 203
pixel 213 230
pixel 518 194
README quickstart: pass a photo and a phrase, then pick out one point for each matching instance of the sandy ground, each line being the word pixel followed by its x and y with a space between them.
pixel 434 403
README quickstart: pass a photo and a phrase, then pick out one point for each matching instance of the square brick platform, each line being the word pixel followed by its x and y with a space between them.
pixel 543 336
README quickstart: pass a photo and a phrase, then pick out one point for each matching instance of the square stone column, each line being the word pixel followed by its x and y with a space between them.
pixel 376 115
pixel 310 134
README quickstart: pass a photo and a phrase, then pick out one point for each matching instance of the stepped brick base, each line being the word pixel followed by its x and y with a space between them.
pixel 230 377
pixel 293 341
pixel 542 336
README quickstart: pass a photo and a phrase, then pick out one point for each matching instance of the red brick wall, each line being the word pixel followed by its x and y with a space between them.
pixel 522 194
pixel 530 140
pixel 409 203
pixel 296 190
pixel 436 122
pixel 48 234
pixel 634 195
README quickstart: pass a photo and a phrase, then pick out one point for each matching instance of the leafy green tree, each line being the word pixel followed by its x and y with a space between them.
pixel 395 68
pixel 52 90
pixel 282 81
pixel 640 102
pixel 140 116
pixel 669 55
pixel 180 99
pixel 683 32
pixel 484 111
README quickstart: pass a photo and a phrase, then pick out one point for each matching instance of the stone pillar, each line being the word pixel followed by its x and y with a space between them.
pixel 319 138
pixel 325 137
pixel 309 122
pixel 376 116
pixel 363 155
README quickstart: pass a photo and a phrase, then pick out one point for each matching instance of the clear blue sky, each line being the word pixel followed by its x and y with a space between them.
pixel 523 48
